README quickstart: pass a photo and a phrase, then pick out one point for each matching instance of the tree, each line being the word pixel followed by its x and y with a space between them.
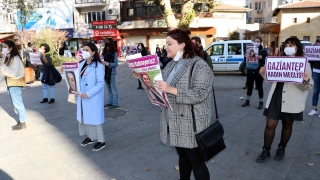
pixel 25 9
pixel 187 11
pixel 235 35
pixel 26 36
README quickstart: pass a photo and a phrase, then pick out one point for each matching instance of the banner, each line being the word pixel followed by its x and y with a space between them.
pixel 72 77
pixel 147 68
pixel 312 53
pixel 35 58
pixel 252 52
pixel 285 69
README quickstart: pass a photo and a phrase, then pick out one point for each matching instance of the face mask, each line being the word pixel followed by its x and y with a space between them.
pixel 5 51
pixel 86 55
pixel 256 44
pixel 40 51
pixel 139 47
pixel 178 56
pixel 290 51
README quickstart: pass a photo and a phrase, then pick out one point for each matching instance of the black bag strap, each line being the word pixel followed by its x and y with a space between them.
pixel 192 108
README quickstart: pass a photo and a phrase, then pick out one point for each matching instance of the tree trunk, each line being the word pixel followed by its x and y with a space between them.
pixel 187 15
pixel 168 15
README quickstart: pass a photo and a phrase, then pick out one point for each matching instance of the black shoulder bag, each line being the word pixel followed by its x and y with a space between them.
pixel 210 141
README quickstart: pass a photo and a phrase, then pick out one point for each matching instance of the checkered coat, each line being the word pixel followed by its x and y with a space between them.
pixel 196 90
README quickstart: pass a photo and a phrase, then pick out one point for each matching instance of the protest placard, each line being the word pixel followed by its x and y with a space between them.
pixel 252 52
pixel 312 53
pixel 285 69
pixel 147 69
pixel 72 76
pixel 35 58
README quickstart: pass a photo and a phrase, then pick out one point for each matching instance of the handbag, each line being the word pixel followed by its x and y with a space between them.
pixel 210 141
pixel 15 82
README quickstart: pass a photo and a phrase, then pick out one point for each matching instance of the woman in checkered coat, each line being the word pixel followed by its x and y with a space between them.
pixel 185 88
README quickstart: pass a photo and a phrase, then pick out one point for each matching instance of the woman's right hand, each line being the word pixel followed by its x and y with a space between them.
pixel 262 70
pixel 135 74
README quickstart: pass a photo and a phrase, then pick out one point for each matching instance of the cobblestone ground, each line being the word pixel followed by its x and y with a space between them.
pixel 49 147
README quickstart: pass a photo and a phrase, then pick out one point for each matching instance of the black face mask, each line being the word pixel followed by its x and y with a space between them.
pixel 107 44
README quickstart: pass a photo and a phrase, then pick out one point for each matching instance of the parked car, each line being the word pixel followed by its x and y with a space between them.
pixel 228 55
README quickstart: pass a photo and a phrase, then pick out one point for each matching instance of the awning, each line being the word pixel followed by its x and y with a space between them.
pixel 4 36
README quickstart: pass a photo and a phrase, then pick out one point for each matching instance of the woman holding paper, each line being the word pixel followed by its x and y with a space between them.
pixel 90 111
pixel 13 69
pixel 286 102
pixel 186 89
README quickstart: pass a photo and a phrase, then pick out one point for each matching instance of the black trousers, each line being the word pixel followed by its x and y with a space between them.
pixel 254 77
pixel 190 159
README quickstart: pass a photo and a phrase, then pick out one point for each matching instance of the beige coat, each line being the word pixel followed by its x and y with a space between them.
pixel 294 95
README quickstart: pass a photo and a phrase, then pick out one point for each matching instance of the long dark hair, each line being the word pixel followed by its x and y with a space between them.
pixel 183 37
pixel 295 41
pixel 14 52
pixel 109 46
pixel 199 50
pixel 93 47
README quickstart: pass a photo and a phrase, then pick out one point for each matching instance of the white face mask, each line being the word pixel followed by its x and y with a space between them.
pixel 290 51
pixel 86 55
pixel 40 50
pixel 256 44
pixel 139 47
pixel 5 51
pixel 178 56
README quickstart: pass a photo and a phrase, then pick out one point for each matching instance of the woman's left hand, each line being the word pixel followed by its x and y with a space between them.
pixel 306 77
pixel 105 63
pixel 84 96
pixel 165 87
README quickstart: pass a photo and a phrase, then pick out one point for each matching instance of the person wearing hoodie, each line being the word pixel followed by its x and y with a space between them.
pixel 254 76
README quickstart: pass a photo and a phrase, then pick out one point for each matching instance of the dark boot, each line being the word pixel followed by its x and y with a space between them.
pixel 245 87
pixel 51 101
pixel 260 105
pixel 265 154
pixel 279 153
pixel 247 103
pixel 44 100
pixel 19 126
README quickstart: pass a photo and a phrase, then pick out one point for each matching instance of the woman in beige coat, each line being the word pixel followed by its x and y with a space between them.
pixel 286 102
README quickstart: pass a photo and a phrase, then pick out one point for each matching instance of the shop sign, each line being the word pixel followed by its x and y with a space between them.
pixel 106 24
pixel 109 32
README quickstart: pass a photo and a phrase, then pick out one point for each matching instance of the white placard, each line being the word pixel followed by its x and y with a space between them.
pixel 35 58
pixel 312 53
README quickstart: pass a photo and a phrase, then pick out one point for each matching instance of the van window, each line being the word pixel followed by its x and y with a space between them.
pixel 234 49
pixel 216 49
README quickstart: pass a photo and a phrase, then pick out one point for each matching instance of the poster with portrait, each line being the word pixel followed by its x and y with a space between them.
pixel 252 52
pixel 148 71
pixel 72 77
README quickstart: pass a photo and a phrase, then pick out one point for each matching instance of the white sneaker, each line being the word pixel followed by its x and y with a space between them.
pixel 312 112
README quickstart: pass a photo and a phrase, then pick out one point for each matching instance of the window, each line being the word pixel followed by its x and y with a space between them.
pixel 139 11
pixel 250 6
pixel 257 6
pixel 216 50
pixel 306 38
pixel 103 14
pixel 308 20
pixel 83 18
pixel 257 20
pixel 269 3
pixel 249 20
pixel 89 17
pixel 318 37
pixel 293 36
pixel 130 12
pixel 98 16
pixel 94 16
pixel 152 10
pixel 294 20
pixel 234 49
pixel 263 5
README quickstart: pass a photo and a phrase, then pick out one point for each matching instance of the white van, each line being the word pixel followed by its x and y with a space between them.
pixel 228 55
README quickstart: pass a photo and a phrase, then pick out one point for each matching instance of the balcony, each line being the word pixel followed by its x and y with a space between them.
pixel 88 3
pixel 8 28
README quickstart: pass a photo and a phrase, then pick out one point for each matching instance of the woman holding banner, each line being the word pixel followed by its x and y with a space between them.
pixel 186 89
pixel 90 111
pixel 286 102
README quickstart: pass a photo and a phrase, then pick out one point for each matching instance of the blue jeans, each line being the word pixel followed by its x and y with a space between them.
pixel 16 97
pixel 112 91
pixel 315 96
pixel 45 88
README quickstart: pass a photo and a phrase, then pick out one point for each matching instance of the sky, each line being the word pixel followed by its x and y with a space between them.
pixel 235 2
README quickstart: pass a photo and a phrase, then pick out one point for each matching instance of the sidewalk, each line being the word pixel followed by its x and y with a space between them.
pixel 50 146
